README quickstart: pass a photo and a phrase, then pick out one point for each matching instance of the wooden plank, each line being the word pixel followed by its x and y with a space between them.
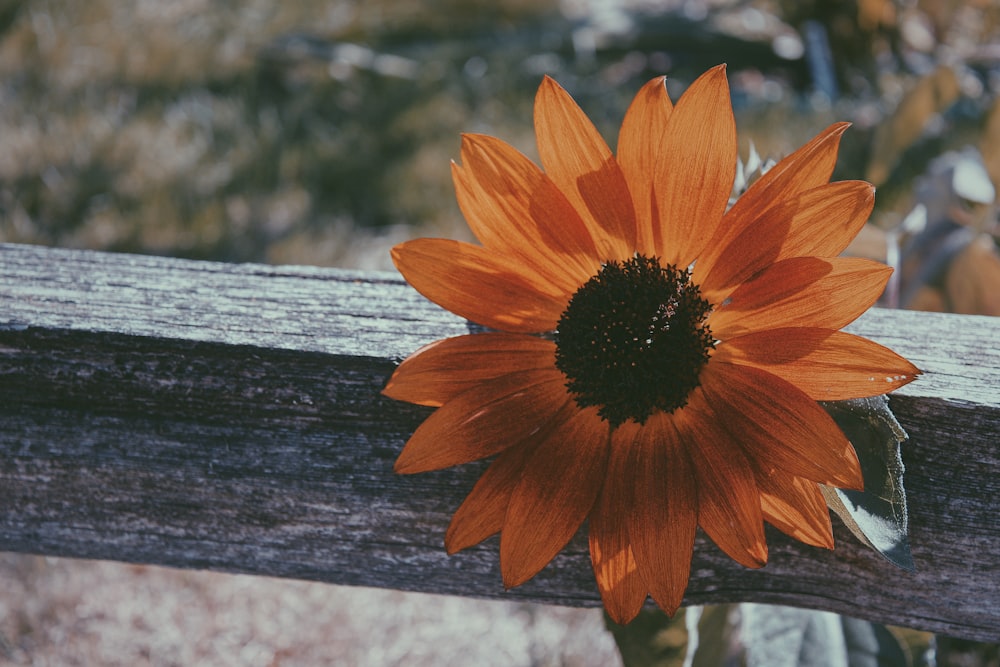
pixel 228 417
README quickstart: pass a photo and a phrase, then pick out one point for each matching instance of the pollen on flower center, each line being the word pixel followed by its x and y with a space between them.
pixel 633 339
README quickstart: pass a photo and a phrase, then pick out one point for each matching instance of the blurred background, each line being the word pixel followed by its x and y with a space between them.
pixel 320 133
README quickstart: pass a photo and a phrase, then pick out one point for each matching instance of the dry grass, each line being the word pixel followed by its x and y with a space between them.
pixel 262 131
pixel 199 129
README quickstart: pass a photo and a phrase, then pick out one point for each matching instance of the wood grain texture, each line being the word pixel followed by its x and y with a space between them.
pixel 228 417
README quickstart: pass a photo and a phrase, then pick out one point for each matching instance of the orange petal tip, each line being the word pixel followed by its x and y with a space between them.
pixel 402 468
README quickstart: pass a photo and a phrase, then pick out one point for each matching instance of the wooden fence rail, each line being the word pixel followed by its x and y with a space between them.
pixel 228 417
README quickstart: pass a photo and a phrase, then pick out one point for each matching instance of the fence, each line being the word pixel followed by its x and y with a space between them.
pixel 228 417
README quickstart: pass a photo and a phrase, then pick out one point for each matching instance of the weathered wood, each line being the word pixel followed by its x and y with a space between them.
pixel 228 417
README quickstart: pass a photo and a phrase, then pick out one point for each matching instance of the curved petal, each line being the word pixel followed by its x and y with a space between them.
pixel 796 507
pixel 801 292
pixel 640 142
pixel 697 166
pixel 808 167
pixel 820 222
pixel 479 285
pixel 578 160
pixel 512 207
pixel 482 512
pixel 622 589
pixel 728 498
pixel 827 218
pixel 485 420
pixel 664 513
pixel 440 371
pixel 779 426
pixel 557 490
pixel 826 365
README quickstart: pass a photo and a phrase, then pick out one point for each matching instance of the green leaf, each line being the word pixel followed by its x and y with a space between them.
pixel 877 515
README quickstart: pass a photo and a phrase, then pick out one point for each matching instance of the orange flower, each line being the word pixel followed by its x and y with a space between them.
pixel 656 358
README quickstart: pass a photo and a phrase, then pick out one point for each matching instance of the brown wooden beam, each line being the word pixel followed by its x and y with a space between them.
pixel 228 417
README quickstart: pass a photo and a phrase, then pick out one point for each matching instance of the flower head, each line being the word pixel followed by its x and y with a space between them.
pixel 656 355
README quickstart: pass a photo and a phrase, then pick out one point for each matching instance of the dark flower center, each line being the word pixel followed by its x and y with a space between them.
pixel 633 340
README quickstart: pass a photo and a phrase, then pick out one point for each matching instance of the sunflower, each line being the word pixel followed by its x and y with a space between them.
pixel 654 356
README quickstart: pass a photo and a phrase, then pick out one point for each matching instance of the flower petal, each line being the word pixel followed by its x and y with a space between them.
pixel 808 167
pixel 485 420
pixel 664 513
pixel 827 218
pixel 512 207
pixel 827 365
pixel 479 285
pixel 557 490
pixel 482 512
pixel 697 166
pixel 796 507
pixel 801 292
pixel 728 498
pixel 440 371
pixel 622 589
pixel 578 160
pixel 640 142
pixel 779 425
pixel 819 222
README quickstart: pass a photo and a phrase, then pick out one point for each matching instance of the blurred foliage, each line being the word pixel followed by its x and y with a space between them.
pixel 217 129
pixel 318 132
